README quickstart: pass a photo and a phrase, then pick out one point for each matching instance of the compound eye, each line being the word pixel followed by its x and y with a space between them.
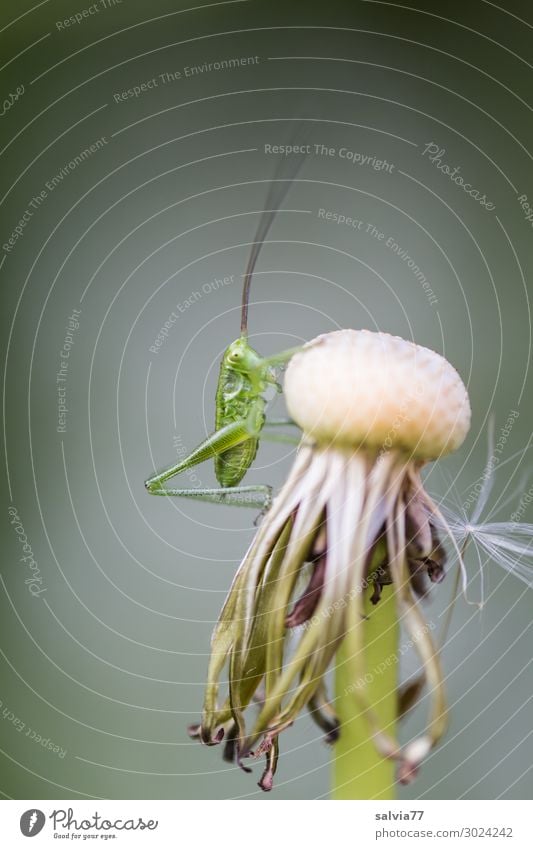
pixel 235 356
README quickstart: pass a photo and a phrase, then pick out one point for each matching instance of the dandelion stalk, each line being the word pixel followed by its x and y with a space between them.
pixel 359 771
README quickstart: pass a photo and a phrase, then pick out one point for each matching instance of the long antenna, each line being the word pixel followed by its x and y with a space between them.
pixel 280 184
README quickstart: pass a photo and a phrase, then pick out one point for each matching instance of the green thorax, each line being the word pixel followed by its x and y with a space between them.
pixel 241 382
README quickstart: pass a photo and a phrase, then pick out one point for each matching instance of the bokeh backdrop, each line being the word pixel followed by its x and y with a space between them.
pixel 137 144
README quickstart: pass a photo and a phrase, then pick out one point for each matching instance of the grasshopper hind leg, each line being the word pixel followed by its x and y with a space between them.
pixel 259 496
pixel 256 496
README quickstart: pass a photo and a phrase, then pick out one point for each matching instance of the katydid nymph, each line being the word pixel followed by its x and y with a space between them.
pixel 240 418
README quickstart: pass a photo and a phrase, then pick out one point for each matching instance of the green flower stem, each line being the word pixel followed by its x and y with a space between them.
pixel 359 772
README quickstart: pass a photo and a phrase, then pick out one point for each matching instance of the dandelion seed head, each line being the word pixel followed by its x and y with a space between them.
pixel 353 514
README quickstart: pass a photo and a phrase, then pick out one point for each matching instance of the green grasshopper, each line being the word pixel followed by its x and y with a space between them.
pixel 240 404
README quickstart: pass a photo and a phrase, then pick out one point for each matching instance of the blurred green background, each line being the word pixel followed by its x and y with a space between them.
pixel 107 660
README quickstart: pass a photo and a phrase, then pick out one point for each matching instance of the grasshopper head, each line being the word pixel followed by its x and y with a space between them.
pixel 241 357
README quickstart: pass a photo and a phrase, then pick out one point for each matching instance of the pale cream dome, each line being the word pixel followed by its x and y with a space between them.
pixel 359 387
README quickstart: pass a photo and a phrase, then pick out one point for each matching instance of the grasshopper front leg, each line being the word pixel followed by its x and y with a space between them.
pixel 283 438
pixel 256 496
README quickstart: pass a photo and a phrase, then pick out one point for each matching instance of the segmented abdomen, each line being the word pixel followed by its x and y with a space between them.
pixel 232 465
